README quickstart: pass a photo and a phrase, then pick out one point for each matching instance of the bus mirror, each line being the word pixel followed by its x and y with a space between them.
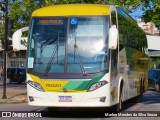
pixel 113 37
pixel 16 38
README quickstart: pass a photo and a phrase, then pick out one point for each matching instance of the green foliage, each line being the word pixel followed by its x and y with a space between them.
pixel 21 10
pixel 150 63
pixel 1 29
pixel 135 3
pixel 2 10
pixel 153 14
pixel 153 61
pixel 158 62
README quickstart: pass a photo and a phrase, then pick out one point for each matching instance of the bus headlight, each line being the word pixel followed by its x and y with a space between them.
pixel 35 85
pixel 97 85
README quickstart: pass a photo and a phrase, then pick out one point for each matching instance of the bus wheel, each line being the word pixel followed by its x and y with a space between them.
pixel 157 86
pixel 143 86
pixel 120 104
pixel 141 92
pixel 139 98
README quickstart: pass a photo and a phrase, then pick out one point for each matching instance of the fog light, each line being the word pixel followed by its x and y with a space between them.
pixel 102 99
pixel 31 99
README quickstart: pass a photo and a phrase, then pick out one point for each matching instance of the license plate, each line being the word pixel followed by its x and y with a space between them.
pixel 65 98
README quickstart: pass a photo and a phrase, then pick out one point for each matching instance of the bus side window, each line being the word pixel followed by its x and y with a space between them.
pixel 114 63
pixel 114 58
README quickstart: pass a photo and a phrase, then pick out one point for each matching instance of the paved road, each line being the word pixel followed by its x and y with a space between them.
pixel 151 102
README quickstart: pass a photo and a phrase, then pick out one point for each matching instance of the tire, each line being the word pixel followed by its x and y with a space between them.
pixel 143 86
pixel 119 106
pixel 141 89
pixel 120 103
pixel 139 98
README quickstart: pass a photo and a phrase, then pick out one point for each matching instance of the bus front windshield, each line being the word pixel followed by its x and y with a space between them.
pixel 68 45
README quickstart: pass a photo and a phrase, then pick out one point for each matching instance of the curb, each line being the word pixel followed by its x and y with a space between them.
pixel 19 98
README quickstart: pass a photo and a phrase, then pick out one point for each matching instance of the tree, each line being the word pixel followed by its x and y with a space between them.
pixel 20 10
pixel 2 11
pixel 1 29
pixel 153 13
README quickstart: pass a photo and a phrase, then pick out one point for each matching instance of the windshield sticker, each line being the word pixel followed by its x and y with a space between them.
pixel 54 22
pixel 30 62
pixel 74 21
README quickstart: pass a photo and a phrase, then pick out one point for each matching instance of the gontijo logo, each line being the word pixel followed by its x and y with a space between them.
pixel 53 85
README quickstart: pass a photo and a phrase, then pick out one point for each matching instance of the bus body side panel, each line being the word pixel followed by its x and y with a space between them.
pixel 132 58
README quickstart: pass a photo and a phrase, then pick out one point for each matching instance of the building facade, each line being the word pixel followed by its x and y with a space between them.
pixel 15 59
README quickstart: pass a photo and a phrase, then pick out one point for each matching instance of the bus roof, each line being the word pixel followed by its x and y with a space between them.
pixel 73 10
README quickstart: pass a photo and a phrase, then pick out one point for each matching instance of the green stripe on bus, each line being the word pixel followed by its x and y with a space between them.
pixel 81 85
pixel 95 80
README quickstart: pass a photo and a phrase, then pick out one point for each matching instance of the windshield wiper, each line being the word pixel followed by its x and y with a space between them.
pixel 52 58
pixel 79 59
pixel 49 42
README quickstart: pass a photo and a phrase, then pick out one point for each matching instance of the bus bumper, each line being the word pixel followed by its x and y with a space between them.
pixel 98 98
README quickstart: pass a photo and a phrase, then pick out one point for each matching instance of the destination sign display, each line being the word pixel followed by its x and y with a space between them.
pixel 53 22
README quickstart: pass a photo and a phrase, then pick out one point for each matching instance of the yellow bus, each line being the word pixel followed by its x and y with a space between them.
pixel 84 55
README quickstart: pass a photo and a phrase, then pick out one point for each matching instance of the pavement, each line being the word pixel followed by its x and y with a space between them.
pixel 15 93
